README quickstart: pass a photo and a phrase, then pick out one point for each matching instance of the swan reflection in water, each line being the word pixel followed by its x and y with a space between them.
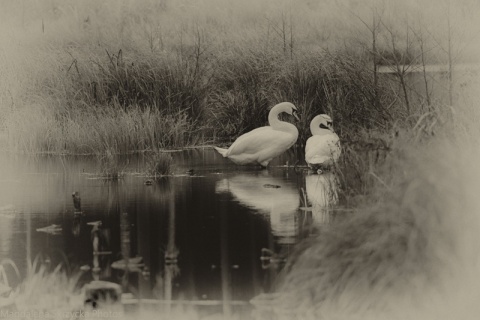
pixel 268 195
pixel 322 194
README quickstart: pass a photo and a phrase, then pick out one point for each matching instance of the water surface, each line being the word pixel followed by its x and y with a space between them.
pixel 217 233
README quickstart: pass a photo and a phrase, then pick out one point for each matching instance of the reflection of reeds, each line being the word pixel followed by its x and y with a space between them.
pixel 111 166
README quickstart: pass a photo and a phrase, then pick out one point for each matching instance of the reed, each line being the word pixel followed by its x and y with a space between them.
pixel 236 99
pixel 46 291
pixel 133 79
pixel 159 164
pixel 94 131
pixel 407 242
pixel 111 165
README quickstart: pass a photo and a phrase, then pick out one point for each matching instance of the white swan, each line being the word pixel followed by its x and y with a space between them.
pixel 323 147
pixel 261 145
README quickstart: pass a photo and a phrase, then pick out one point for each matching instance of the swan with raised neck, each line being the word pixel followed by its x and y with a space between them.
pixel 276 123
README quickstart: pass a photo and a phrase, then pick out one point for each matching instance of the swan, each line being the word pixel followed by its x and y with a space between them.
pixel 323 147
pixel 261 145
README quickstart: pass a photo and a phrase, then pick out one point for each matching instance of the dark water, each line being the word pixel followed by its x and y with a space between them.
pixel 201 236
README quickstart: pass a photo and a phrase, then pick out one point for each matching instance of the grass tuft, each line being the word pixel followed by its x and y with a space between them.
pixel 111 166
pixel 159 164
pixel 46 291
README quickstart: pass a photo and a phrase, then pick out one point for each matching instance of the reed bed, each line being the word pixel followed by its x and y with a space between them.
pixel 94 131
pixel 159 164
pixel 130 77
pixel 142 112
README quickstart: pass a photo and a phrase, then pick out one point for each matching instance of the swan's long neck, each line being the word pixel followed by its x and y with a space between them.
pixel 315 127
pixel 276 124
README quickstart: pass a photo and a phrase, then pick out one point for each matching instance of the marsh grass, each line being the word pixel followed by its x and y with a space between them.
pixel 94 131
pixel 46 290
pixel 111 165
pixel 159 164
pixel 139 84
pixel 332 83
pixel 406 242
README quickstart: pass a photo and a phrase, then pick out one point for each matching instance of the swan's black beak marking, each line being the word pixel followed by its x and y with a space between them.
pixel 323 126
pixel 294 113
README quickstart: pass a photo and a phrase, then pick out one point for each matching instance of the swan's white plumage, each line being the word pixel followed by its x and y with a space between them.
pixel 323 147
pixel 261 145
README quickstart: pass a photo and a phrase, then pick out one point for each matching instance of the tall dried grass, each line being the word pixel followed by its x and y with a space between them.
pixel 107 67
pixel 408 250
pixel 94 131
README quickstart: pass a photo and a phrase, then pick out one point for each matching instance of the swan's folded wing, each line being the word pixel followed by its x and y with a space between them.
pixel 321 148
pixel 255 140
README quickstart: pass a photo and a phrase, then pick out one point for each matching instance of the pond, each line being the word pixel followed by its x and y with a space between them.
pixel 211 232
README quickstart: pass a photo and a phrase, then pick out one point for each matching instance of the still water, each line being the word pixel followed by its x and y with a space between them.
pixel 219 232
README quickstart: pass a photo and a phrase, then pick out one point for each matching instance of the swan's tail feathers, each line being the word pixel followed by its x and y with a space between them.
pixel 222 151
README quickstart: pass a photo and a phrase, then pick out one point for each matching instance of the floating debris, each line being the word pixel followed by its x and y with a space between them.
pixel 102 253
pixel 308 209
pixel 274 186
pixel 95 223
pixel 133 264
pixel 269 258
pixel 148 182
pixel 171 257
pixel 77 202
pixel 52 229
pixel 146 273
pixel 85 268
